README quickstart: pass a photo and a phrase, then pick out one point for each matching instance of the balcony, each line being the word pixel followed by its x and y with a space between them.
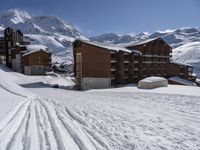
pixel 112 69
pixel 113 61
pixel 147 62
pixel 126 69
pixel 126 61
pixel 125 77
pixel 113 52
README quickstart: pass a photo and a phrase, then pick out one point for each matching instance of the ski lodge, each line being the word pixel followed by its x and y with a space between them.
pixel 98 65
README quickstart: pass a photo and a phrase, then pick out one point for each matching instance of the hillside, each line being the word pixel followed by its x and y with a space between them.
pixel 48 30
pixel 189 54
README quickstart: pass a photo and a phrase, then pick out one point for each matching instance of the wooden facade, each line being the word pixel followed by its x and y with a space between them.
pixel 38 58
pixel 36 63
pixel 2 51
pixel 126 65
pixel 155 57
pixel 12 37
pixel 100 62
pixel 95 60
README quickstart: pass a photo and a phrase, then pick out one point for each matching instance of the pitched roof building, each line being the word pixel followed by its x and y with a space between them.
pixel 98 65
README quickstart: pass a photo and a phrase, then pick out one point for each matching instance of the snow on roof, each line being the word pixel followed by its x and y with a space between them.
pixel 35 48
pixel 183 64
pixel 146 41
pixel 153 79
pixel 142 42
pixel 110 47
pixel 182 81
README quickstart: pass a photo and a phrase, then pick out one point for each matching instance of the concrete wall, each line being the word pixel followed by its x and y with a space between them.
pixel 96 83
pixel 27 70
pixel 35 70
pixel 16 63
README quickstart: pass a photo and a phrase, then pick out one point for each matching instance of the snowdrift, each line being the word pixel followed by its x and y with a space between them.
pixel 152 82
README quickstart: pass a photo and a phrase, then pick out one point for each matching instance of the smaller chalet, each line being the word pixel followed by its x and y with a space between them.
pixel 31 59
pixel 36 60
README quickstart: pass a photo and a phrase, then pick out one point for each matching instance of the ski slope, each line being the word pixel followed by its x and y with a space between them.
pixel 38 117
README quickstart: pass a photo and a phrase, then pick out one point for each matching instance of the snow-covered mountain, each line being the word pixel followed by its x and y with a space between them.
pixel 119 39
pixel 189 54
pixel 175 38
pixel 48 30
pixel 185 43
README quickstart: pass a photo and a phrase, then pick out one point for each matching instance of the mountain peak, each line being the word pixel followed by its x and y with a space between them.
pixel 15 16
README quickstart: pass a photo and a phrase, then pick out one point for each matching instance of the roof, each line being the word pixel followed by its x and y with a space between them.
pixel 34 48
pixel 147 41
pixel 182 64
pixel 110 47
pixel 182 81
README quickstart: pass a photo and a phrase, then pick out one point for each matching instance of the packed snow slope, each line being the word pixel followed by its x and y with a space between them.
pixel 189 54
pixel 112 119
pixel 48 30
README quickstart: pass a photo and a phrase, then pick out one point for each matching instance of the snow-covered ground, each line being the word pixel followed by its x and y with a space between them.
pixel 37 116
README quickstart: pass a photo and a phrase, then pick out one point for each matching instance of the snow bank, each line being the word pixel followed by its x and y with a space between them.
pixel 171 89
pixel 61 82
pixel 7 83
pixel 152 82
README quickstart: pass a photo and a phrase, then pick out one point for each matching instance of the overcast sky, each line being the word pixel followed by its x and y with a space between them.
pixel 94 17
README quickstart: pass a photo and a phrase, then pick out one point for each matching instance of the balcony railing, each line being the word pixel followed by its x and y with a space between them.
pixel 113 61
pixel 126 61
pixel 112 69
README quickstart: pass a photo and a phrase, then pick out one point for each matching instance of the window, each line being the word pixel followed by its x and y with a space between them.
pixel 135 65
pixel 9 44
pixel 190 69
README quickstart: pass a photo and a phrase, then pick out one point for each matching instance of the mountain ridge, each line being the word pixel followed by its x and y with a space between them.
pixel 51 31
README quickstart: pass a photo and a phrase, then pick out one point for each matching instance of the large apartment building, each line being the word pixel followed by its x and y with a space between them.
pixel 11 37
pixel 2 51
pixel 98 65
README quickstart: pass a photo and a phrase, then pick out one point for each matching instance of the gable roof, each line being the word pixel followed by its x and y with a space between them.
pixel 34 48
pixel 148 41
pixel 109 47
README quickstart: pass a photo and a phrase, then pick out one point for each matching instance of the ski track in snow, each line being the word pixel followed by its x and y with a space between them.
pixel 39 124
pixel 133 120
